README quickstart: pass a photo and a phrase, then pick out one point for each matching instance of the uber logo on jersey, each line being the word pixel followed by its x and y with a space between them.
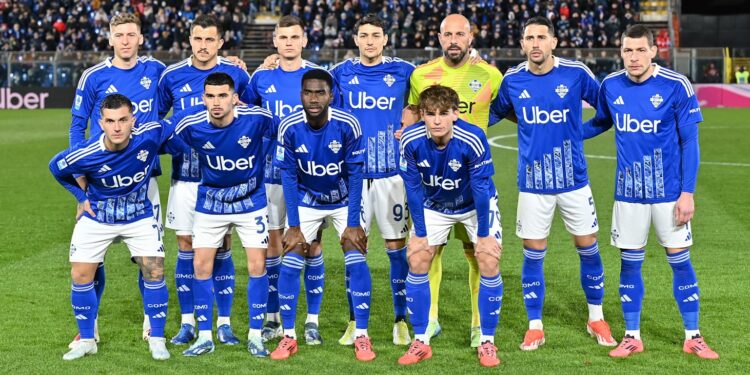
pixel 118 181
pixel 443 183
pixel 629 124
pixel 314 169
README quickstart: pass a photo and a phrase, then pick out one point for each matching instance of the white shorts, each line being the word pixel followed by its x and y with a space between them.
pixel 312 219
pixel 276 207
pixel 153 197
pixel 439 224
pixel 535 213
pixel 385 198
pixel 181 206
pixel 91 239
pixel 631 222
pixel 252 227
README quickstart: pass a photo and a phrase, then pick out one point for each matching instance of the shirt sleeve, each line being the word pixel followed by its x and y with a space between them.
pixel 336 93
pixel 83 104
pixel 413 90
pixel 243 87
pixel 164 96
pixel 252 94
pixel 590 88
pixel 690 156
pixel 602 121
pixel 501 106
pixel 687 109
pixel 414 190
pixel 64 174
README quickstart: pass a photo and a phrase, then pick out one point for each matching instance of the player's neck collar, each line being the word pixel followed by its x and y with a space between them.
pixel 296 64
pixel 330 115
pixel 190 63
pixel 221 126
pixel 555 64
pixel 110 62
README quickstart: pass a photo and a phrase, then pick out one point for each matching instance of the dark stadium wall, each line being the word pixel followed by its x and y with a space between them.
pixel 726 30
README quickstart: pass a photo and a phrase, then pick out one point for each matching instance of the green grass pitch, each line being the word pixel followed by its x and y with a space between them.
pixel 37 218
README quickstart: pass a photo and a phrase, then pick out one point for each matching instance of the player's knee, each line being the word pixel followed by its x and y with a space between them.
pixel 82 276
pixel 419 262
pixel 535 244
pixel 488 264
pixel 395 244
pixel 203 266
pixel 315 249
pixel 585 240
pixel 256 267
pixel 185 243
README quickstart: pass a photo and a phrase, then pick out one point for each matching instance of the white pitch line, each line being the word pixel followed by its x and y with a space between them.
pixel 493 142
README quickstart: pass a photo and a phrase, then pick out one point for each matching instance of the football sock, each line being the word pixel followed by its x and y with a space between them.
pixel 183 278
pixel 312 318
pixel 85 308
pixel 685 288
pixel 347 278
pixel 273 267
pixel 360 285
pixel 314 282
pixel 473 286
pixel 100 280
pixel 436 277
pixel 257 300
pixel 592 279
pixel 156 298
pixel 632 288
pixel 399 270
pixel 289 285
pixel 490 303
pixel 142 289
pixel 224 279
pixel 532 282
pixel 418 289
pixel 203 298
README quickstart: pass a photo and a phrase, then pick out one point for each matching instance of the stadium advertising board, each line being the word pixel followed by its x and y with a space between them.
pixel 36 97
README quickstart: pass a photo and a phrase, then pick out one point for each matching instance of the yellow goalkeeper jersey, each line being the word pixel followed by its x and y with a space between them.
pixel 476 84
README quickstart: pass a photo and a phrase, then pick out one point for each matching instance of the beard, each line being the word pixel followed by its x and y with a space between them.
pixel 455 59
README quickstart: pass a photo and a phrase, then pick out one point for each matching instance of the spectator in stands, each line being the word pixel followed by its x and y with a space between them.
pixel 711 74
pixel 741 75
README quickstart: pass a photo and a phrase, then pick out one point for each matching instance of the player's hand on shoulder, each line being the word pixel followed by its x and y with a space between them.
pixel 355 236
pixel 684 209
pixel 271 62
pixel 475 57
pixel 84 206
pixel 488 245
pixel 237 61
pixel 293 238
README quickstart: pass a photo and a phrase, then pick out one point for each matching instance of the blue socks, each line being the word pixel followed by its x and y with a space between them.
pixel 532 282
pixel 155 300
pixel 685 287
pixel 418 303
pixel 291 267
pixel 223 274
pixel 273 268
pixel 490 302
pixel 257 300
pixel 183 278
pixel 348 277
pixel 592 274
pixel 631 287
pixel 314 282
pixel 100 280
pixel 399 271
pixel 203 297
pixel 85 307
pixel 360 285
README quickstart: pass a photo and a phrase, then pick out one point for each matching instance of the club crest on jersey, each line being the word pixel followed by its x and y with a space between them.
pixel 454 164
pixel 561 90
pixel 142 155
pixel 475 85
pixel 244 141
pixel 656 100
pixel 389 80
pixel 146 82
pixel 335 146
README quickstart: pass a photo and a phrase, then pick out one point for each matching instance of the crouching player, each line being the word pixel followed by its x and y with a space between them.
pixel 321 154
pixel 117 166
pixel 447 169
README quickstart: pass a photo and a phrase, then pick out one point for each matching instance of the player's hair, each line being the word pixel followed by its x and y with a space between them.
pixel 318 74
pixel 219 79
pixel 123 18
pixel 542 21
pixel 116 101
pixel 289 21
pixel 437 97
pixel 370 19
pixel 205 21
pixel 639 31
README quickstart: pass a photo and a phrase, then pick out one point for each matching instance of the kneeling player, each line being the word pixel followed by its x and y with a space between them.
pixel 231 193
pixel 447 169
pixel 117 166
pixel 321 155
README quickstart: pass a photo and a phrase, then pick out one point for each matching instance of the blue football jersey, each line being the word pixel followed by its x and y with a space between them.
pixel 319 156
pixel 232 159
pixel 180 88
pixel 647 117
pixel 117 180
pixel 139 84
pixel 446 174
pixel 376 96
pixel 278 91
pixel 550 137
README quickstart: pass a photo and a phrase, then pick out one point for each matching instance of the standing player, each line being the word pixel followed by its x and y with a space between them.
pixel 545 94
pixel 117 166
pixel 656 115
pixel 231 193
pixel 321 156
pixel 447 168
pixel 136 78
pixel 180 88
pixel 374 88
pixel 277 89
pixel 476 85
